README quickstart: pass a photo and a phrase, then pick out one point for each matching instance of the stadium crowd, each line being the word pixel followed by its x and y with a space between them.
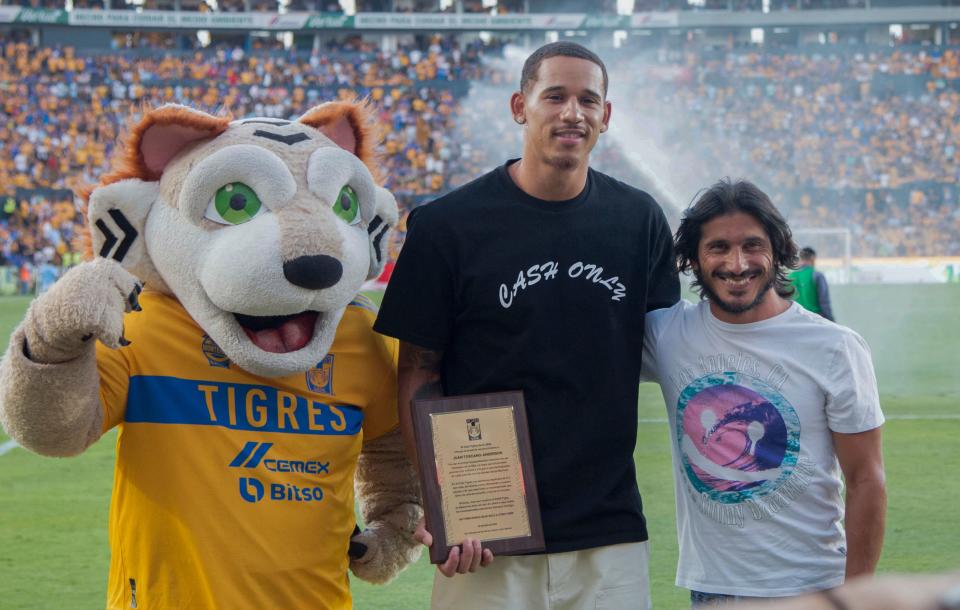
pixel 865 140
pixel 467 6
pixel 62 115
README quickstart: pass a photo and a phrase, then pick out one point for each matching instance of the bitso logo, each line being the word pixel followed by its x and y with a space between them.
pixel 320 377
pixel 254 455
pixel 251 490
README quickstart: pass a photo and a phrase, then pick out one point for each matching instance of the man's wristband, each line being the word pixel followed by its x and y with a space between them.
pixel 836 603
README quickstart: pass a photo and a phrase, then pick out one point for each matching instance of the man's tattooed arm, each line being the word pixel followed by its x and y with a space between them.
pixel 418 376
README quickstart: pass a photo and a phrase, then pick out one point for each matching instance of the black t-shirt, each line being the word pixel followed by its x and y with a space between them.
pixel 548 297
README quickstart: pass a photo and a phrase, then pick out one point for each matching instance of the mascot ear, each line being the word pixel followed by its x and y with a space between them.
pixel 118 207
pixel 350 126
pixel 165 132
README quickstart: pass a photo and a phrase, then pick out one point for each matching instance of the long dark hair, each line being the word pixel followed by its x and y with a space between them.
pixel 727 197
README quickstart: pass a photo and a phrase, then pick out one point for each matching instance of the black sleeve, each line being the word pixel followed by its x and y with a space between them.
pixel 418 304
pixel 664 285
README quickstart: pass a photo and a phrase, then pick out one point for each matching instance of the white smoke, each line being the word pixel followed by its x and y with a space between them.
pixel 487 130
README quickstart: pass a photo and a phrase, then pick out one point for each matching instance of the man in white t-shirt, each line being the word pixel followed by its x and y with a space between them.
pixel 768 404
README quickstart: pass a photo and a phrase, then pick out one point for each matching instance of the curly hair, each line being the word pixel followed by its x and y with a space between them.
pixel 726 197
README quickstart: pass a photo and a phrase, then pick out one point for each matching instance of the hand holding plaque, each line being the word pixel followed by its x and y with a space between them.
pixel 476 471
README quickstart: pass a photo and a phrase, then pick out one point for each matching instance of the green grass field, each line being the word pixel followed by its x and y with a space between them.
pixel 53 512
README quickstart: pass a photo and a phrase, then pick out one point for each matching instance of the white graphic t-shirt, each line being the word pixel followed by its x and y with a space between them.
pixel 751 410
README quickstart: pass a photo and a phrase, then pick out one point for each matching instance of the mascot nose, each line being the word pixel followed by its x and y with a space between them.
pixel 313 272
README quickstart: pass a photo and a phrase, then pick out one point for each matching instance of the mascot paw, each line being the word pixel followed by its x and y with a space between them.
pixel 380 552
pixel 85 305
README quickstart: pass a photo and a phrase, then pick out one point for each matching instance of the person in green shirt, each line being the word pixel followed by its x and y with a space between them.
pixel 810 286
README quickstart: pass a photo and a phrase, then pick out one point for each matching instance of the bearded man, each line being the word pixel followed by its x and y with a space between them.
pixel 768 404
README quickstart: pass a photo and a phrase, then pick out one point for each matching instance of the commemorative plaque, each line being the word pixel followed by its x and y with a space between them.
pixel 476 472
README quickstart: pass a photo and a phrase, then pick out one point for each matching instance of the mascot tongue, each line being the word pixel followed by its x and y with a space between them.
pixel 291 334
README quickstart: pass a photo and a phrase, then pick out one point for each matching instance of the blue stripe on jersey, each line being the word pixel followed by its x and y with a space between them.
pixel 239 406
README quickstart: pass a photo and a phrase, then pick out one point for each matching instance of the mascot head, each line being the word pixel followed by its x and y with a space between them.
pixel 263 229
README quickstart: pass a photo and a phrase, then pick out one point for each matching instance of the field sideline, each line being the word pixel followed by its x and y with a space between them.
pixel 53 513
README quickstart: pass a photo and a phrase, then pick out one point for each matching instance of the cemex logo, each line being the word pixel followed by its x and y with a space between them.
pixel 253 454
pixel 252 490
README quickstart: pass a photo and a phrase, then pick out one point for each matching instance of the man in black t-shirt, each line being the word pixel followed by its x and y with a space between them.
pixel 537 277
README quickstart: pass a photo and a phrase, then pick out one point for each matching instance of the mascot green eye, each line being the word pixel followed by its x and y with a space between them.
pixel 234 204
pixel 346 207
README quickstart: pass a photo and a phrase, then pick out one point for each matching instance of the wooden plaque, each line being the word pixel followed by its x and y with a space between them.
pixel 476 472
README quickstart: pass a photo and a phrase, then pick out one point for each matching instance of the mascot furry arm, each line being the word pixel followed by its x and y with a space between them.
pixel 257 234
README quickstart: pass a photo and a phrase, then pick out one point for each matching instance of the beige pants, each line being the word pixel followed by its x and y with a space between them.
pixel 605 578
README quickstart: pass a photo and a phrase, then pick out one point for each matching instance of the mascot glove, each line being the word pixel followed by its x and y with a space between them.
pixel 88 303
pixel 388 548
pixel 388 492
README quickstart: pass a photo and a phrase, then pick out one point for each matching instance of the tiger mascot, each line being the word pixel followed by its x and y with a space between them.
pixel 220 330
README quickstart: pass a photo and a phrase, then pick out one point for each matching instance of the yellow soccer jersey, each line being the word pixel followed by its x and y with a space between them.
pixel 232 490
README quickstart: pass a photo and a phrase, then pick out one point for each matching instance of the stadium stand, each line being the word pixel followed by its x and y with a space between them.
pixel 861 137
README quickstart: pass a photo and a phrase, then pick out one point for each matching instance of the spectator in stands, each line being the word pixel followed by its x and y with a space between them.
pixel 47 275
pixel 25 276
